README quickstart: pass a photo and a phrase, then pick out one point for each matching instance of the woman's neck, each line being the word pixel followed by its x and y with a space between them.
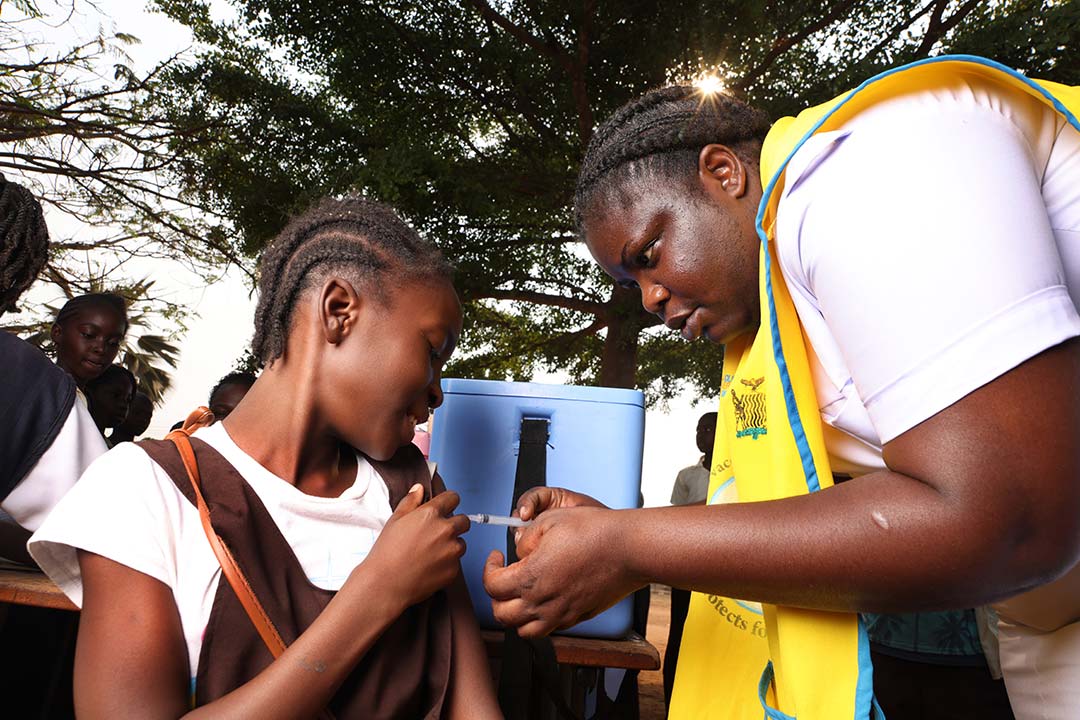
pixel 277 424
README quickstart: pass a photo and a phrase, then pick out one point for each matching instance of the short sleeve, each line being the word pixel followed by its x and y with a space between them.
pixel 679 491
pixel 124 508
pixel 76 445
pixel 926 246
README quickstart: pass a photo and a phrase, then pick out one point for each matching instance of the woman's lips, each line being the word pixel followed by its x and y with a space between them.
pixel 691 329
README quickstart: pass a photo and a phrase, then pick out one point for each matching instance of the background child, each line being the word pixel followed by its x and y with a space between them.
pixel 228 393
pixel 110 395
pixel 355 319
pixel 139 415
pixel 87 334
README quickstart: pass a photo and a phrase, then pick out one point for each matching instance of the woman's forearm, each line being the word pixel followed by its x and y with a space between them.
pixel 883 542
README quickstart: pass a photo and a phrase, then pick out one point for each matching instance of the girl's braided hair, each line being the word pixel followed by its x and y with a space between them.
pixel 360 239
pixel 110 301
pixel 662 132
pixel 24 242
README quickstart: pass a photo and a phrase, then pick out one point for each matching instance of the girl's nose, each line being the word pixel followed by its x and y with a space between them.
pixel 435 394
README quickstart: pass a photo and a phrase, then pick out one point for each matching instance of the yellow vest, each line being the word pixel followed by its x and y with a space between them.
pixel 741 660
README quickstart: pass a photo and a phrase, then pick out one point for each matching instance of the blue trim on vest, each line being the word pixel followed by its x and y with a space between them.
pixel 717 491
pixel 866 705
pixel 762 688
pixel 794 420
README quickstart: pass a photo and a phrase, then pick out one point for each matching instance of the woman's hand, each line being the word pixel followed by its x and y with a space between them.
pixel 571 569
pixel 541 499
pixel 419 550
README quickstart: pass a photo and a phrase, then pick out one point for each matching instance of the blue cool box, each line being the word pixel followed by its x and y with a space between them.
pixel 594 446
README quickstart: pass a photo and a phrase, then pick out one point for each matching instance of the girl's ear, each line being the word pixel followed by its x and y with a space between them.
pixel 339 307
pixel 720 169
pixel 54 333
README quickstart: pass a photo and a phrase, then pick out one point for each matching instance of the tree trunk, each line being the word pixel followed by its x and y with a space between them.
pixel 625 319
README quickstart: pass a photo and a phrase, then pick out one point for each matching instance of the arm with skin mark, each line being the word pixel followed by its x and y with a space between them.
pixel 131 659
pixel 982 502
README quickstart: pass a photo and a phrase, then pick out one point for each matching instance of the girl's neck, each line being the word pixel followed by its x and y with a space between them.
pixel 276 424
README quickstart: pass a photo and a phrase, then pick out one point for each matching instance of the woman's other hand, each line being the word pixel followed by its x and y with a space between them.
pixel 541 499
pixel 573 570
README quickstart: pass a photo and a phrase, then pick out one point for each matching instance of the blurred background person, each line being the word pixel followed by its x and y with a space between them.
pixel 110 395
pixel 228 393
pixel 139 415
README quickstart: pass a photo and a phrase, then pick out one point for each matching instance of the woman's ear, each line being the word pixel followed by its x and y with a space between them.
pixel 721 171
pixel 339 308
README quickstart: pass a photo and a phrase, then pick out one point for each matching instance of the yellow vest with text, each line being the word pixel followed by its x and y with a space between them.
pixel 740 659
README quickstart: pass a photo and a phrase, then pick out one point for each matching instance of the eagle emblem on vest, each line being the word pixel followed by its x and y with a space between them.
pixel 750 415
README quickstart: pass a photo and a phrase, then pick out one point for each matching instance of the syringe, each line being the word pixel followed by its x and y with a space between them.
pixel 485 519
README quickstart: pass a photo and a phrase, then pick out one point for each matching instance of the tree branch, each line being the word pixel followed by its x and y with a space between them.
pixel 539 298
pixel 939 27
pixel 782 44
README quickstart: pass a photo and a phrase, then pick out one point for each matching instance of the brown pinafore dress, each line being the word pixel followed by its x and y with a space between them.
pixel 406 672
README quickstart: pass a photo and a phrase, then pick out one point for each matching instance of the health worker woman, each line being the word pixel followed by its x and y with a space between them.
pixel 895 276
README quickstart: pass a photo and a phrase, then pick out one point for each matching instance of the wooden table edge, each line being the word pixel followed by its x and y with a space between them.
pixel 631 653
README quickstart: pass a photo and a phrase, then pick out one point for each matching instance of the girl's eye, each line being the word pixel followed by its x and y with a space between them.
pixel 435 357
pixel 628 284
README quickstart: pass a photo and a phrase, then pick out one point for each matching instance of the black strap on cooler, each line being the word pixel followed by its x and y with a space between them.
pixel 522 659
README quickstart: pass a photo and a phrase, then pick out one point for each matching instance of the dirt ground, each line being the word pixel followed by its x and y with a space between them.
pixel 651 684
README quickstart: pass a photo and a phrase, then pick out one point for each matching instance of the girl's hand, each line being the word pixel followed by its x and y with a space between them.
pixel 419 550
pixel 541 499
pixel 574 570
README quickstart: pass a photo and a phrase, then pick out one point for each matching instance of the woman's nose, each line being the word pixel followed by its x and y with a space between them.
pixel 654 297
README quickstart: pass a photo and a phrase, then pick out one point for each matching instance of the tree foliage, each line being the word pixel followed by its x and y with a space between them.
pixel 471 116
pixel 81 128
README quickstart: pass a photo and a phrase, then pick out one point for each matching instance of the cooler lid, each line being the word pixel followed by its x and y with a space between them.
pixel 616 396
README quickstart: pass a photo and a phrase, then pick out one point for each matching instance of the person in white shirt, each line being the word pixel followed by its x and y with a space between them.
pixel 47 437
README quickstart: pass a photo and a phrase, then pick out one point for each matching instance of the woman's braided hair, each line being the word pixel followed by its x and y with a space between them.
pixel 361 239
pixel 662 132
pixel 24 242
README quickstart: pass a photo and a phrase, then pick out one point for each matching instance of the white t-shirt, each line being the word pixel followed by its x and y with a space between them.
pixel 930 245
pixel 127 508
pixel 691 484
pixel 78 444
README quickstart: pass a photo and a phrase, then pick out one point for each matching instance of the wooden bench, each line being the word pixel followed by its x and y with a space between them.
pixel 29 587
pixel 579 658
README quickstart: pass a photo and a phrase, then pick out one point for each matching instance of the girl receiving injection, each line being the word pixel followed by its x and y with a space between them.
pixel 314 489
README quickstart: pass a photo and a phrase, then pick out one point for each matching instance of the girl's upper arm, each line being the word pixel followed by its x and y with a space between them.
pixel 131 659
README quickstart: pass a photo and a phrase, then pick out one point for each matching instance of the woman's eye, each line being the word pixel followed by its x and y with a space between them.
pixel 644 258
